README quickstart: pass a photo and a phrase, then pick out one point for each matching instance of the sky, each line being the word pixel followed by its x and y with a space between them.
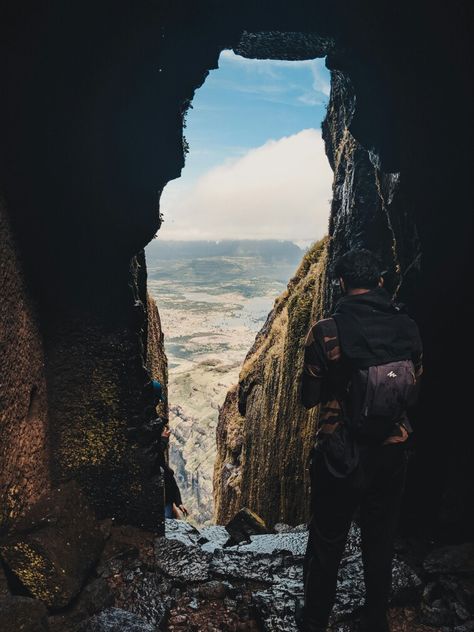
pixel 256 166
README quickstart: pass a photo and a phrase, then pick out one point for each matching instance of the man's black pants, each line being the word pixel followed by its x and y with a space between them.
pixel 376 487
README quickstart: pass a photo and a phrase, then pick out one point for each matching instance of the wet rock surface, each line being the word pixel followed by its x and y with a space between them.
pixel 116 620
pixel 181 561
pixel 193 580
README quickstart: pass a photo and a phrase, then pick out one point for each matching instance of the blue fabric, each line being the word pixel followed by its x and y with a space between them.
pixel 158 390
pixel 169 511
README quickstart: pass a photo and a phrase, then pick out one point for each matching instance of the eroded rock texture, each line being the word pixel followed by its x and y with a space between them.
pixel 54 546
pixel 264 434
pixel 156 360
pixel 24 450
pixel 99 387
pixel 369 208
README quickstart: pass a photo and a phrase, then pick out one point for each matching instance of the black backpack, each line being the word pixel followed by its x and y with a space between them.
pixel 377 398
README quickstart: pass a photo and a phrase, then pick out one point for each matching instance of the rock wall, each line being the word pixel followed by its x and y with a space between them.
pixel 24 447
pixel 369 208
pixel 74 384
pixel 263 433
pixel 100 395
pixel 156 360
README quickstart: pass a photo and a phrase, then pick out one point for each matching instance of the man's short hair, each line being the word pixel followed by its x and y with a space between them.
pixel 359 268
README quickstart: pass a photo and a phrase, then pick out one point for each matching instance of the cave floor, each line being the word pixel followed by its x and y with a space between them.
pixel 188 580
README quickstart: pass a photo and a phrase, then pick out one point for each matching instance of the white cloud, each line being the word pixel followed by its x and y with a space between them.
pixel 280 190
pixel 320 83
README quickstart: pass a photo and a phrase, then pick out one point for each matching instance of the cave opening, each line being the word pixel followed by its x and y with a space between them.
pixel 81 178
pixel 252 199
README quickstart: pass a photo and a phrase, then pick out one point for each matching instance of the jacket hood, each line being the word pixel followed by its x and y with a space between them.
pixel 374 330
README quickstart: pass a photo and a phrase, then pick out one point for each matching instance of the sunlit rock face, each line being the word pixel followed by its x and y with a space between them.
pixel 264 434
pixel 91 132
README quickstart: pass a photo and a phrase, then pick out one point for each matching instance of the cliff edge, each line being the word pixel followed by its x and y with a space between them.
pixel 263 433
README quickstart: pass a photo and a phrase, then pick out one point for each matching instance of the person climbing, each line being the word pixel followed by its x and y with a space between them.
pixel 363 365
pixel 158 392
pixel 173 501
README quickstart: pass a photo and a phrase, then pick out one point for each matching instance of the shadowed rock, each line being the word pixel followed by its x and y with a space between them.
pixel 4 591
pixel 244 524
pixel 451 559
pixel 95 596
pixel 125 542
pixel 116 620
pixel 54 546
pixel 22 614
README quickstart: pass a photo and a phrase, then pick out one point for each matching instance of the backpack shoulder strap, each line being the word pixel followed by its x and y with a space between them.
pixel 328 333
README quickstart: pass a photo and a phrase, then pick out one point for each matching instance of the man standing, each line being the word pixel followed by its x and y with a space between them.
pixel 363 366
pixel 173 501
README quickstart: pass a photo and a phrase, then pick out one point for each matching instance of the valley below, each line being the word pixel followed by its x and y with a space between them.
pixel 212 300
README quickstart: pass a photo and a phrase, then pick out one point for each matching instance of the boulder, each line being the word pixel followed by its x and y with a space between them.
pixel 182 531
pixel 244 524
pixel 212 590
pixel 22 614
pixel 124 542
pixel 145 594
pixel 181 561
pixel 95 596
pixel 213 537
pixel 276 606
pixel 116 620
pixel 264 568
pixel 54 546
pixel 448 601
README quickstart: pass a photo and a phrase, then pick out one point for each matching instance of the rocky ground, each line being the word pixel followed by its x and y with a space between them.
pixel 189 580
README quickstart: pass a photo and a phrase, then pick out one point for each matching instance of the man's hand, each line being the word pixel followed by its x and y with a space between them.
pixel 166 432
pixel 181 508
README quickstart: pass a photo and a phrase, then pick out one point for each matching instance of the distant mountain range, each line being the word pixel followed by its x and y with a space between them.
pixel 267 249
